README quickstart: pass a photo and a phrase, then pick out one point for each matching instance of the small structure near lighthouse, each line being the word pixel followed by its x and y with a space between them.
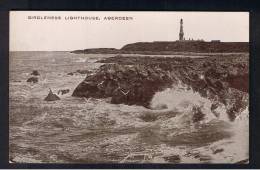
pixel 181 35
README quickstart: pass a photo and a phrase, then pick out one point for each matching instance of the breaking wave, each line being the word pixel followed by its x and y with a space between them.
pixel 192 108
pixel 183 99
pixel 187 103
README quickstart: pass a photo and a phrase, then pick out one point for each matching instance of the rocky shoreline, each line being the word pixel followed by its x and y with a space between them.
pixel 171 48
pixel 135 80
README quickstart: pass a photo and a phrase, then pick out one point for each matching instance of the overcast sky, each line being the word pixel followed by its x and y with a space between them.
pixel 62 35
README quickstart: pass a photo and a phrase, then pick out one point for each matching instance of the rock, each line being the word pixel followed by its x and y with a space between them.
pixel 198 115
pixel 51 97
pixel 240 82
pixel 33 80
pixel 135 80
pixel 65 91
pixel 173 159
pixel 70 74
pixel 35 73
pixel 205 158
pixel 218 150
pixel 83 71
pixel 125 84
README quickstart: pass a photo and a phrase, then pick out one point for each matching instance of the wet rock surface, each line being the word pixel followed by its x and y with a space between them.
pixel 134 80
pixel 51 97
pixel 32 80
pixel 173 159
pixel 35 73
pixel 218 151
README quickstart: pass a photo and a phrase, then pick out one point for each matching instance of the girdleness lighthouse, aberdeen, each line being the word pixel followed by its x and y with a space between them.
pixel 181 34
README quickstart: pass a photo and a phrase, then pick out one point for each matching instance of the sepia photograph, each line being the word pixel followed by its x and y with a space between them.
pixel 138 87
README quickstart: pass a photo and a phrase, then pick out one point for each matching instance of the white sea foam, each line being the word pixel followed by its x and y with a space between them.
pixel 241 135
pixel 182 99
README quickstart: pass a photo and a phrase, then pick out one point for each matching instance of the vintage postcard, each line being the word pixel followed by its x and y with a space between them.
pixel 129 87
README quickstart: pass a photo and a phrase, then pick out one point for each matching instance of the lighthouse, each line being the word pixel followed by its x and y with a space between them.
pixel 181 34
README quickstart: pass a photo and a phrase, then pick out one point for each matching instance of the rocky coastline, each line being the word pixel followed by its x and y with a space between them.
pixel 134 80
pixel 171 48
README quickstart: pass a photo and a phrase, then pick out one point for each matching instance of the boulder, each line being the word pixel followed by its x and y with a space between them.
pixel 172 159
pixel 32 80
pixel 51 96
pixel 218 150
pixel 35 73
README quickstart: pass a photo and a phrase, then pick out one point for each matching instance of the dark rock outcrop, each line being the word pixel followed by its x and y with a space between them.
pixel 172 159
pixel 135 80
pixel 51 96
pixel 32 80
pixel 125 84
pixel 218 150
pixel 35 73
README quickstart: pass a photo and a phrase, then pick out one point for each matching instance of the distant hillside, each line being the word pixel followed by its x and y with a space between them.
pixel 171 47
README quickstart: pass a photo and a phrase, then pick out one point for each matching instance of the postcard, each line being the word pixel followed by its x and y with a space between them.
pixel 129 87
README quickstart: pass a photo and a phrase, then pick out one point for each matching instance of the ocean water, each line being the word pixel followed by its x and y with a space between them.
pixel 80 130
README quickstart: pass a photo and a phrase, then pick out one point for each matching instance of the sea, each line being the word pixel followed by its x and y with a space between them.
pixel 89 130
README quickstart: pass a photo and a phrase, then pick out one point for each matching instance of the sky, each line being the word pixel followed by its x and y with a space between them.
pixel 66 35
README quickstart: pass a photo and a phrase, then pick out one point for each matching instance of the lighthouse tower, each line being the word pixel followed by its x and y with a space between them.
pixel 181 34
